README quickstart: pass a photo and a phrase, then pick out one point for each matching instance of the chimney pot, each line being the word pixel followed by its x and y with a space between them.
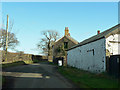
pixel 98 32
pixel 68 34
pixel 66 28
pixel 66 31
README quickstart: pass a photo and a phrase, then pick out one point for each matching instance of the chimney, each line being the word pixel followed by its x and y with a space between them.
pixel 98 32
pixel 67 31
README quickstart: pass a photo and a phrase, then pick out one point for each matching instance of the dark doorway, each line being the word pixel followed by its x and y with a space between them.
pixel 55 60
pixel 114 65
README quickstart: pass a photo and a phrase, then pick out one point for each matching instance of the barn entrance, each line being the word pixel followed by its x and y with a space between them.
pixel 114 65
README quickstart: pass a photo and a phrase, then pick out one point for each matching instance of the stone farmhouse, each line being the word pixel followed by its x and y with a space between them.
pixel 91 54
pixel 61 45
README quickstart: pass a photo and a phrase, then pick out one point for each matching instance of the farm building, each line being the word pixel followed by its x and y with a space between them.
pixel 91 54
pixel 61 45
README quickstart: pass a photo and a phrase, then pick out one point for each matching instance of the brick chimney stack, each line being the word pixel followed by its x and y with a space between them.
pixel 67 31
pixel 98 32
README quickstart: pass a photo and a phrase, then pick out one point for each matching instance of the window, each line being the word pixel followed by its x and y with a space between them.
pixel 65 45
pixel 92 50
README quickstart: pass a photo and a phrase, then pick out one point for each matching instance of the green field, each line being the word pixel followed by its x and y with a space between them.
pixel 85 79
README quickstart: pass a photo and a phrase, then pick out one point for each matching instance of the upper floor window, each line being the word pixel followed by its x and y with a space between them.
pixel 65 45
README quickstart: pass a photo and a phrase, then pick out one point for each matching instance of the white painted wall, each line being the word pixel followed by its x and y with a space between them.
pixel 80 58
pixel 113 47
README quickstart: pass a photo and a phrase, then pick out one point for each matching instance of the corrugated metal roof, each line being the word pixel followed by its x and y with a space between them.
pixel 113 30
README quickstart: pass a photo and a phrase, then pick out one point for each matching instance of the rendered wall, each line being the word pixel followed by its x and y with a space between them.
pixel 113 44
pixel 82 57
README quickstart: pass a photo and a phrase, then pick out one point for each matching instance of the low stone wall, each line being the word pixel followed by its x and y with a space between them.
pixel 38 57
pixel 12 57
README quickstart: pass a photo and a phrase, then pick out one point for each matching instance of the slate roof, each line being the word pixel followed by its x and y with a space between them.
pixel 70 38
pixel 105 34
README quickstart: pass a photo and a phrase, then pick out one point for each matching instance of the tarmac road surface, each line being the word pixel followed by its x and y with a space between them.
pixel 38 75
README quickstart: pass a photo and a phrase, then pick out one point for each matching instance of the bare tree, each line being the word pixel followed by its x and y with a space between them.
pixel 47 41
pixel 12 40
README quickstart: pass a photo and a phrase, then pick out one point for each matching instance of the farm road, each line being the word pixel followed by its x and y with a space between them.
pixel 38 75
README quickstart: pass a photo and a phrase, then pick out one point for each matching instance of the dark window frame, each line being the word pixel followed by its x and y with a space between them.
pixel 66 45
pixel 91 50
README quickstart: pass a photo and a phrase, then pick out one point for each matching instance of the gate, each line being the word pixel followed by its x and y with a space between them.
pixel 114 65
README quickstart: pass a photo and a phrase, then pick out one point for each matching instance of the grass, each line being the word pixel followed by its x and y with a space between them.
pixel 84 79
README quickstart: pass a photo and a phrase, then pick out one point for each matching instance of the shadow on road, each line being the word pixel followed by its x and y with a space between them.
pixel 32 68
pixel 24 82
pixel 38 75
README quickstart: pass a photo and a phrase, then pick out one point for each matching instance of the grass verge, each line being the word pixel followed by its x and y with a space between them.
pixel 84 79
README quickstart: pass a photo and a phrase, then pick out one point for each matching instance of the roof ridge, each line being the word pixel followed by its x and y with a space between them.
pixel 71 38
pixel 96 37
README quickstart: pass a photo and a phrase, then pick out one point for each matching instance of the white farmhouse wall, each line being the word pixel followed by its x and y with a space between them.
pixel 80 58
pixel 114 46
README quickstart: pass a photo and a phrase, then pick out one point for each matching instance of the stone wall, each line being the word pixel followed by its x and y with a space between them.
pixel 12 57
pixel 60 43
pixel 38 57
pixel 59 54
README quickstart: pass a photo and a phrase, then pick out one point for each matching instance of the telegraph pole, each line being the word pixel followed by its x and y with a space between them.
pixel 6 37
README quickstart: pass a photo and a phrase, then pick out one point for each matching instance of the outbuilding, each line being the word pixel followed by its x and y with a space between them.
pixel 91 54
